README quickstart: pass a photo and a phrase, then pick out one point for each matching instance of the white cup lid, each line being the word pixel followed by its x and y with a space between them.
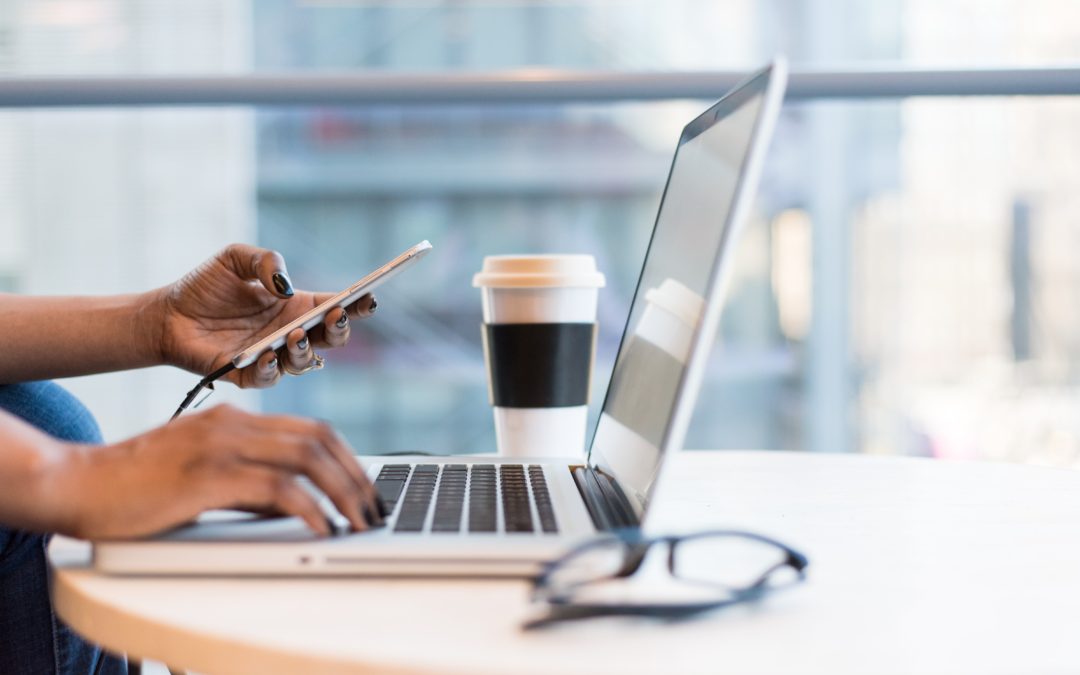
pixel 539 271
pixel 677 299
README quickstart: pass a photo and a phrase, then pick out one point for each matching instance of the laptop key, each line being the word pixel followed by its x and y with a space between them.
pixel 482 498
pixel 414 505
pixel 542 498
pixel 389 490
pixel 389 483
pixel 450 501
pixel 517 516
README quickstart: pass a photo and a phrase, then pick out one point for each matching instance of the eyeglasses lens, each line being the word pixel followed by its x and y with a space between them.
pixel 602 560
pixel 730 561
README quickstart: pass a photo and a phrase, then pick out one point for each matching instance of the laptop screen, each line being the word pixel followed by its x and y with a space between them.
pixel 692 228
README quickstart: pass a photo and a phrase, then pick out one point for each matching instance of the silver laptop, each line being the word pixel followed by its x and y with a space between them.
pixel 476 515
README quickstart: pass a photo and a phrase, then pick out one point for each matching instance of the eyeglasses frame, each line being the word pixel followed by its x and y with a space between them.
pixel 637 547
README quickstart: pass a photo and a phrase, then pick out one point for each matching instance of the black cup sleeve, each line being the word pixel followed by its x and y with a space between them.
pixel 539 365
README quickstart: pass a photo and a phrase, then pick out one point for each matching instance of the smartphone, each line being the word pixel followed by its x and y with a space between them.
pixel 348 296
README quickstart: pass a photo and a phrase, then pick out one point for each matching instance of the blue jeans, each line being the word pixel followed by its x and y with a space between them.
pixel 32 639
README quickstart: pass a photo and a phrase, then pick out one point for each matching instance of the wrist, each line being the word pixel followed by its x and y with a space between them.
pixel 56 488
pixel 151 327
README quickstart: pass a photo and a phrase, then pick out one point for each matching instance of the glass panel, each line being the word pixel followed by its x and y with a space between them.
pixel 649 35
pixel 930 241
pixel 118 37
pixel 964 283
pixel 907 286
pixel 119 201
pixel 214 36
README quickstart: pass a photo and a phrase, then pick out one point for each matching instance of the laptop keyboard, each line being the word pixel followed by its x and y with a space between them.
pixel 468 497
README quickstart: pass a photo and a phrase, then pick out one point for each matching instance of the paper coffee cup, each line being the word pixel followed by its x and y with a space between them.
pixel 539 338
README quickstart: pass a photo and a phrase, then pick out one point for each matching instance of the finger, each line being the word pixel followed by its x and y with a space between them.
pixel 346 459
pixel 336 328
pixel 299 426
pixel 298 349
pixel 251 486
pixel 337 447
pixel 362 308
pixel 309 455
pixel 251 262
pixel 263 373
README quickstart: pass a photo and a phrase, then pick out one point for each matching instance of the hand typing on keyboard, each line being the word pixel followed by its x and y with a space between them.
pixel 338 524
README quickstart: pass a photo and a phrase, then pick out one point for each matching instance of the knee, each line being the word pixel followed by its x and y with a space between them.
pixel 51 408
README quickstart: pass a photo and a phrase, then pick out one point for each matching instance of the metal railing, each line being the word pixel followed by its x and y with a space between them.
pixel 517 86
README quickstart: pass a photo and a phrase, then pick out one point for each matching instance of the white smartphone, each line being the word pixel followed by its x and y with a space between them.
pixel 348 296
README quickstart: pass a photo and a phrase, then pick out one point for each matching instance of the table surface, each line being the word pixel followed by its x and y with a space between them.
pixel 916 566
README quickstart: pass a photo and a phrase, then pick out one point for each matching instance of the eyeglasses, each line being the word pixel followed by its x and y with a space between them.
pixel 704 571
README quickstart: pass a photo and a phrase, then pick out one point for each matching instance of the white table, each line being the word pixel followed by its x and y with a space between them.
pixel 916 566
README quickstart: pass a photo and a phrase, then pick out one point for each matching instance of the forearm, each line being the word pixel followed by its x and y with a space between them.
pixel 49 337
pixel 29 460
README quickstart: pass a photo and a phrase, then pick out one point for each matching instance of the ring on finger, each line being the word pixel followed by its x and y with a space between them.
pixel 316 363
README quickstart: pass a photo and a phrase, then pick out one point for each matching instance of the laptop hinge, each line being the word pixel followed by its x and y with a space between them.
pixel 604 499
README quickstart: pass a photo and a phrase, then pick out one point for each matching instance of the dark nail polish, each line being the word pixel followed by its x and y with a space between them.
pixel 374 304
pixel 282 284
pixel 303 343
pixel 272 364
pixel 343 321
pixel 374 520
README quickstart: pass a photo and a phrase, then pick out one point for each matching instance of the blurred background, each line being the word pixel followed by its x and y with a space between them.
pixel 909 285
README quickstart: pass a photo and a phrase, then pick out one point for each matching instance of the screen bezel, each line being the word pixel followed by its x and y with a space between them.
pixel 768 83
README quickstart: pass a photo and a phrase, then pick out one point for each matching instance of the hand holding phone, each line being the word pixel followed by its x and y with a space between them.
pixel 315 316
pixel 307 321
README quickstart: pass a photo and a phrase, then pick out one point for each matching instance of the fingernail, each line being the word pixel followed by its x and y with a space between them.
pixel 282 284
pixel 272 364
pixel 302 344
pixel 343 321
pixel 374 304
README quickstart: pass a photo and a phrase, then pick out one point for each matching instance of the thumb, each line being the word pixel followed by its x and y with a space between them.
pixel 251 262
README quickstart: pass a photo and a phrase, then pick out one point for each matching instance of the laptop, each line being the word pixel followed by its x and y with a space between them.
pixel 487 516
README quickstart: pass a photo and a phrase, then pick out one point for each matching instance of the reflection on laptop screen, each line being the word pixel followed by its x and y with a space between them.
pixel 690 229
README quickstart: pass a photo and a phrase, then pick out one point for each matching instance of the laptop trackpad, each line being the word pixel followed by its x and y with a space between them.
pixel 241 526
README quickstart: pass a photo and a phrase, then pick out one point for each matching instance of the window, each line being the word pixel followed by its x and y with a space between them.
pixel 906 287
